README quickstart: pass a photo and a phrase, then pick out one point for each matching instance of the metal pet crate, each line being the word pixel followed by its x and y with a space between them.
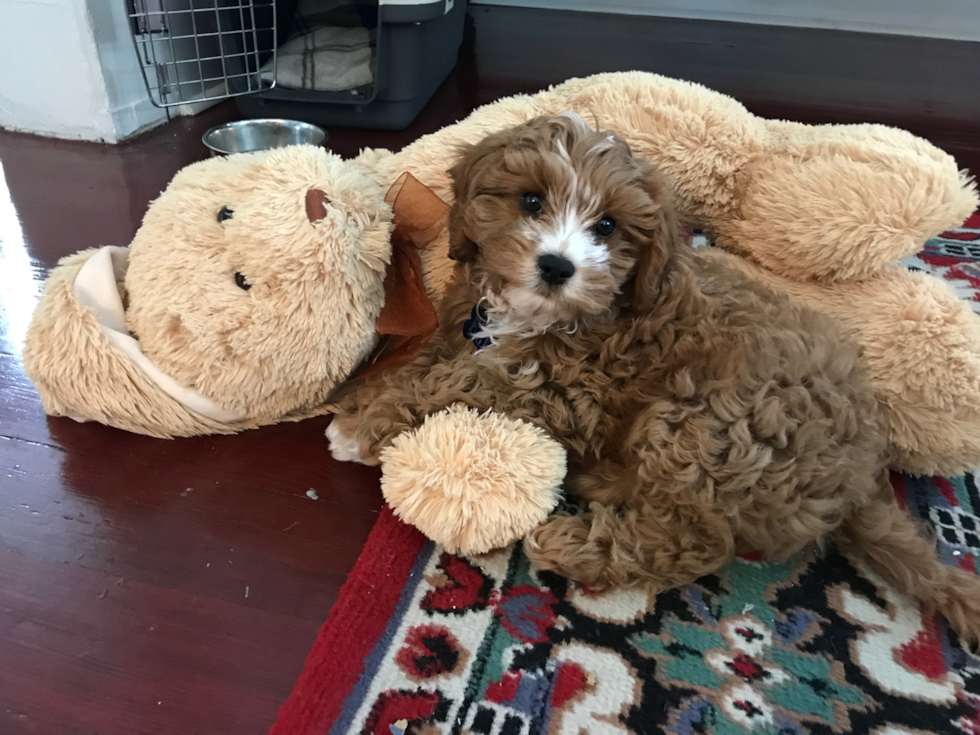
pixel 351 63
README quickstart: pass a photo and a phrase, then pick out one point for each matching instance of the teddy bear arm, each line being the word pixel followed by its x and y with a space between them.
pixel 473 481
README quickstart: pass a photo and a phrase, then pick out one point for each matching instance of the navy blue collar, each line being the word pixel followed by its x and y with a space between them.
pixel 475 326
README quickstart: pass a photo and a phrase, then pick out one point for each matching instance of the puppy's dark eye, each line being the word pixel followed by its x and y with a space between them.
pixel 224 214
pixel 604 227
pixel 242 282
pixel 531 203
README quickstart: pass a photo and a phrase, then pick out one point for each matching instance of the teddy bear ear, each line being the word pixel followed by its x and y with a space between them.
pixel 81 373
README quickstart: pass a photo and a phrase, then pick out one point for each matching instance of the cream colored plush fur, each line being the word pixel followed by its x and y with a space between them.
pixel 473 482
pixel 79 374
pixel 821 212
pixel 316 287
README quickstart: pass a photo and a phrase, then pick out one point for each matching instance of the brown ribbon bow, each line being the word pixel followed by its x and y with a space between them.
pixel 408 319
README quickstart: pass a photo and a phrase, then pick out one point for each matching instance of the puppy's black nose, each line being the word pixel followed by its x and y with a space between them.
pixel 555 269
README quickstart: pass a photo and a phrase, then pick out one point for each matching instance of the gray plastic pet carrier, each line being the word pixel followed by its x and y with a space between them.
pixel 348 63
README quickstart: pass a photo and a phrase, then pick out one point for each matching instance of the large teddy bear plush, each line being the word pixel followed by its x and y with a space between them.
pixel 260 285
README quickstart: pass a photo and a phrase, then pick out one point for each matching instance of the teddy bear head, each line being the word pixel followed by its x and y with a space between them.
pixel 256 279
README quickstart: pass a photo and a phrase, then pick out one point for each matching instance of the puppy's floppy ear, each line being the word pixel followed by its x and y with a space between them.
pixel 661 246
pixel 473 165
pixel 461 248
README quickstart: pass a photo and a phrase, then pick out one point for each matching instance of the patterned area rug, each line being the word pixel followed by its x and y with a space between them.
pixel 421 641
pixel 954 256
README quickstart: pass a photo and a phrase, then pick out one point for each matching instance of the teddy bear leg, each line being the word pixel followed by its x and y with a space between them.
pixel 921 349
pixel 823 206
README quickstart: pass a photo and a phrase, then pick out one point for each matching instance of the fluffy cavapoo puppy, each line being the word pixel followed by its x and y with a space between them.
pixel 703 415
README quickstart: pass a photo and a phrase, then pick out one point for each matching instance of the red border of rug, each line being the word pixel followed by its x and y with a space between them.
pixel 357 620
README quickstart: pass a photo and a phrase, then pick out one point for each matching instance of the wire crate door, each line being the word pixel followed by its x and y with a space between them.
pixel 199 50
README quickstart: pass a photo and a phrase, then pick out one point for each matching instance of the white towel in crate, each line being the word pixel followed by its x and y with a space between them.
pixel 324 60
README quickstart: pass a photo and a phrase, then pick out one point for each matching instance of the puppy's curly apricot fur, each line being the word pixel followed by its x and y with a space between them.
pixel 703 414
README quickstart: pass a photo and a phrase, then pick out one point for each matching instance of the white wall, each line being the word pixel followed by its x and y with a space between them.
pixel 129 103
pixel 68 74
pixel 953 19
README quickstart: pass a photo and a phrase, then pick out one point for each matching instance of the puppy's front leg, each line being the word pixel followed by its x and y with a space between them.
pixel 400 401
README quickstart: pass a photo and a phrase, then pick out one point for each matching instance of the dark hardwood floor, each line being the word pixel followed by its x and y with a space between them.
pixel 152 586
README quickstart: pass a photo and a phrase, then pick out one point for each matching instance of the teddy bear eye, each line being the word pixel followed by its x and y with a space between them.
pixel 224 214
pixel 242 282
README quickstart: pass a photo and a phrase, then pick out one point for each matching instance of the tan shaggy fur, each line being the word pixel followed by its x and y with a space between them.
pixel 703 413
pixel 817 212
pixel 272 352
pixel 78 376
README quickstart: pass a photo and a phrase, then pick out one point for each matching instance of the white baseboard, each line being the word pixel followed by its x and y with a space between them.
pixel 949 19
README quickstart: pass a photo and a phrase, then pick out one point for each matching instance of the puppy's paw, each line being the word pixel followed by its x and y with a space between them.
pixel 562 545
pixel 343 448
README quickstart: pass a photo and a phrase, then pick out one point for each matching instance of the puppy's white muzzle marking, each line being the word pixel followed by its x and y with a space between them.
pixel 572 238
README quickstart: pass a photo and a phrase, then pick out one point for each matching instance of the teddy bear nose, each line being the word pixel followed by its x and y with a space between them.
pixel 316 205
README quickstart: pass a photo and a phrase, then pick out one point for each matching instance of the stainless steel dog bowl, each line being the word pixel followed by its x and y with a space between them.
pixel 261 135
